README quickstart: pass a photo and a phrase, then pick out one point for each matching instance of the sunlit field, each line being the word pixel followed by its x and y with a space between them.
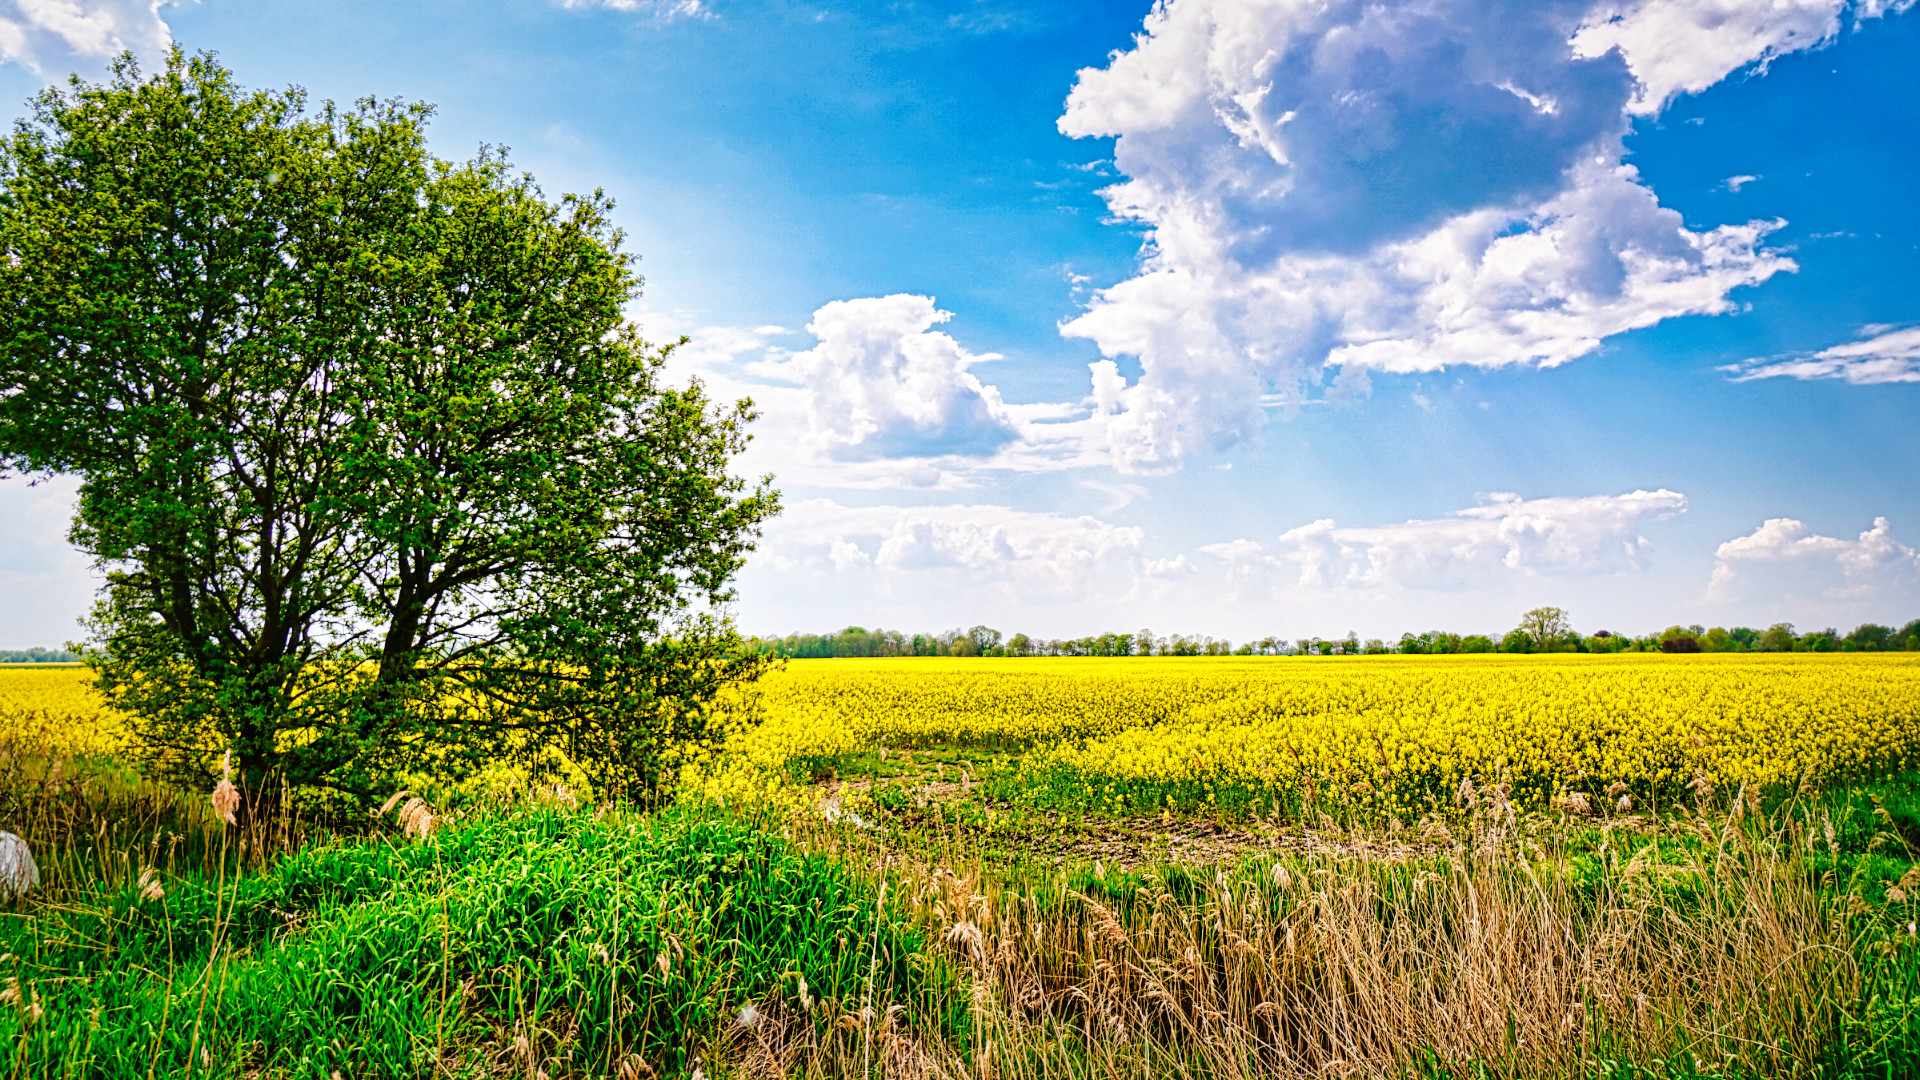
pixel 1535 866
pixel 1388 735
pixel 54 709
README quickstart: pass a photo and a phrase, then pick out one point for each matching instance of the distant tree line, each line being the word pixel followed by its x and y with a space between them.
pixel 37 656
pixel 1541 630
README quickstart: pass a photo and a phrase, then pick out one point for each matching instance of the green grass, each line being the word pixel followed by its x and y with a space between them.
pixel 550 940
pixel 586 938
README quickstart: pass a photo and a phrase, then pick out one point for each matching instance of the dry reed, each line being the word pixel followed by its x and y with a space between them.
pixel 1493 951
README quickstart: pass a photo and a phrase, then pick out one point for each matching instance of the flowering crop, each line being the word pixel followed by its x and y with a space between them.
pixel 56 711
pixel 1384 732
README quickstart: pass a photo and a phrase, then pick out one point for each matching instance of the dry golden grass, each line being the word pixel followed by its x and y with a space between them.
pixel 1504 950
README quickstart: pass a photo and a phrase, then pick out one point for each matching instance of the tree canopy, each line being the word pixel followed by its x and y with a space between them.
pixel 376 468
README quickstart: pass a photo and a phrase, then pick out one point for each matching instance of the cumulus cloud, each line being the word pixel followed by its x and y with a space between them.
pixel 881 400
pixel 53 38
pixel 883 383
pixel 1504 537
pixel 1020 553
pixel 1883 354
pixel 1401 187
pixel 1783 560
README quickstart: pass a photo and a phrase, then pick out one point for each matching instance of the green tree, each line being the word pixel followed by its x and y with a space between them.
pixel 1546 626
pixel 984 640
pixel 1677 633
pixel 1776 638
pixel 1871 637
pixel 378 473
pixel 1818 641
pixel 1908 639
pixel 1675 639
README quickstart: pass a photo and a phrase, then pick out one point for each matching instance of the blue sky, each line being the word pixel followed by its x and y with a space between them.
pixel 1232 318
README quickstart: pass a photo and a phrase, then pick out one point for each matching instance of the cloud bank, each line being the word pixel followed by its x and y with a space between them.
pixel 1472 548
pixel 997 552
pixel 1358 186
pixel 1477 568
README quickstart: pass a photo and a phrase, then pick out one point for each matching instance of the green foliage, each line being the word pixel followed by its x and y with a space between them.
pixel 1776 638
pixel 628 934
pixel 379 474
pixel 1546 627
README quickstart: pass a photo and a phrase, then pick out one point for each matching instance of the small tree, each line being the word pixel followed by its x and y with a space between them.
pixel 1546 627
pixel 378 473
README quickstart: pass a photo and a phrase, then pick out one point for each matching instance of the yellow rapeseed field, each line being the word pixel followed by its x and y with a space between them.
pixel 55 710
pixel 1389 732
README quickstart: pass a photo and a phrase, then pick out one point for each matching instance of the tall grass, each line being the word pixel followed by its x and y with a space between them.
pixel 90 819
pixel 1726 946
pixel 547 941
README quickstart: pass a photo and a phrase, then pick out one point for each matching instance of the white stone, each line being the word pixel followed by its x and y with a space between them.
pixel 18 873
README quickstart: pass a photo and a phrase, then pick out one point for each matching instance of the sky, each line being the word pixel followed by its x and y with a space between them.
pixel 1272 317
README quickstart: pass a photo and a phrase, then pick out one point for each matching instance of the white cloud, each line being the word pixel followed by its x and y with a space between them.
pixel 990 551
pixel 1676 47
pixel 1882 355
pixel 1735 183
pixel 53 38
pixel 1169 569
pixel 1503 538
pixel 881 401
pixel 1784 561
pixel 882 383
pixel 1402 187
